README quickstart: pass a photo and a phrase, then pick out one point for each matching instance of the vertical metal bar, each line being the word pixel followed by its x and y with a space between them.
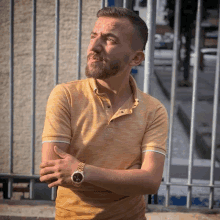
pixel 124 3
pixel 104 3
pixel 11 76
pixel 56 81
pixel 31 189
pixel 33 85
pixel 33 95
pixel 194 99
pixel 214 120
pixel 53 193
pixel 149 51
pixel 79 37
pixel 11 90
pixel 10 187
pixel 57 42
pixel 173 92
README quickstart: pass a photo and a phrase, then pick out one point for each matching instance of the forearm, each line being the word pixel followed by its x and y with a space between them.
pixel 123 182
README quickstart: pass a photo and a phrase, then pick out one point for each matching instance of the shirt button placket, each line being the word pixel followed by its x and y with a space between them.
pixel 108 109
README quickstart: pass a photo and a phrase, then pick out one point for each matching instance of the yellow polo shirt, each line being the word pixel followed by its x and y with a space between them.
pixel 81 116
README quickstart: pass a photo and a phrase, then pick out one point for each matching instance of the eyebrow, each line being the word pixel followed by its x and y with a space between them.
pixel 106 35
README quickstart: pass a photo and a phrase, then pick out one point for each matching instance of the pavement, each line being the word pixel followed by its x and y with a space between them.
pixel 45 210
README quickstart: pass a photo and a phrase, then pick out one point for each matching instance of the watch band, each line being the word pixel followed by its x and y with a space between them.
pixel 81 166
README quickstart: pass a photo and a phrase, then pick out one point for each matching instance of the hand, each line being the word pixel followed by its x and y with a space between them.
pixel 58 172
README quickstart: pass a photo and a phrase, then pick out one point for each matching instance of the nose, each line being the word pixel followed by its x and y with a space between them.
pixel 96 44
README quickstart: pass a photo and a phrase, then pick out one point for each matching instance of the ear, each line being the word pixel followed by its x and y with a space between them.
pixel 138 58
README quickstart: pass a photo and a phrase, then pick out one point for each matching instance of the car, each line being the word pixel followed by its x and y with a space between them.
pixel 168 39
pixel 163 57
pixel 209 57
pixel 213 34
pixel 164 41
pixel 159 42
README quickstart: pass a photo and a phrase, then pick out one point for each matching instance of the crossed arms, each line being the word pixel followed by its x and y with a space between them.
pixel 57 167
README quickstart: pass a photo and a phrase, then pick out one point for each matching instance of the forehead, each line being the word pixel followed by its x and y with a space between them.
pixel 113 25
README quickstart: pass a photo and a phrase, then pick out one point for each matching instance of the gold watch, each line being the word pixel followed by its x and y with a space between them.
pixel 78 176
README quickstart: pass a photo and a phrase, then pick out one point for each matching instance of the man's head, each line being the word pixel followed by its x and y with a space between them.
pixel 117 43
pixel 140 28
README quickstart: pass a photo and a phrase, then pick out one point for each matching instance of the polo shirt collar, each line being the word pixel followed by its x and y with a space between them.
pixel 135 91
pixel 133 84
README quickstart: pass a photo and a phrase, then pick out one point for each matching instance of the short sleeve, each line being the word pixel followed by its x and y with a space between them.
pixel 57 125
pixel 155 137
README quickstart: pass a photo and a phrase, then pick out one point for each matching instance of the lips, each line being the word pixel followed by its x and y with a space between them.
pixel 95 60
pixel 95 57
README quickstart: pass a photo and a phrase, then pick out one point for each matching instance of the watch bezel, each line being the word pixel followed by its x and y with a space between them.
pixel 77 172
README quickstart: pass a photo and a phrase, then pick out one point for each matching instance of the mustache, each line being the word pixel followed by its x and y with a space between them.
pixel 95 56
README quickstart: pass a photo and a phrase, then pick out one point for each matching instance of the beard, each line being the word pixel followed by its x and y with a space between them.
pixel 101 70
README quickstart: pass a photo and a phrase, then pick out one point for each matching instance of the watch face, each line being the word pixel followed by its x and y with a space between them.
pixel 77 177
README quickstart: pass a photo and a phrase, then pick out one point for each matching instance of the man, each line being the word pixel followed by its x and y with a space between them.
pixel 104 141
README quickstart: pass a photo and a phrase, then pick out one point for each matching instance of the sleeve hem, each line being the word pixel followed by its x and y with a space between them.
pixel 56 141
pixel 154 151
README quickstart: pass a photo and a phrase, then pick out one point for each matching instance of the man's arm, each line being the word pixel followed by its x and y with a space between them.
pixel 49 154
pixel 130 182
pixel 48 150
pixel 124 182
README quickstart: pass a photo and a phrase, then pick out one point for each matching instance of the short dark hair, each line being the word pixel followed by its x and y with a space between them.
pixel 138 23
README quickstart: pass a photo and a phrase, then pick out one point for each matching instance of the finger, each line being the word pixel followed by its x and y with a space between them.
pixel 60 152
pixel 48 163
pixel 50 181
pixel 49 177
pixel 56 183
pixel 46 170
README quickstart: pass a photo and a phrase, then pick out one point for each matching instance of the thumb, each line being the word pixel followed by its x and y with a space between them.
pixel 60 152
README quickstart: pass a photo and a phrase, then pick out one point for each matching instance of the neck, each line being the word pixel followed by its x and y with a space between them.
pixel 116 87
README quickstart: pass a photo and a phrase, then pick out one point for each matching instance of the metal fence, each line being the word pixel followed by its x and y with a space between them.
pixel 149 68
pixel 193 115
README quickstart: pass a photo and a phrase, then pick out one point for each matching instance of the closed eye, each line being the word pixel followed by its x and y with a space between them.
pixel 110 39
pixel 106 37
